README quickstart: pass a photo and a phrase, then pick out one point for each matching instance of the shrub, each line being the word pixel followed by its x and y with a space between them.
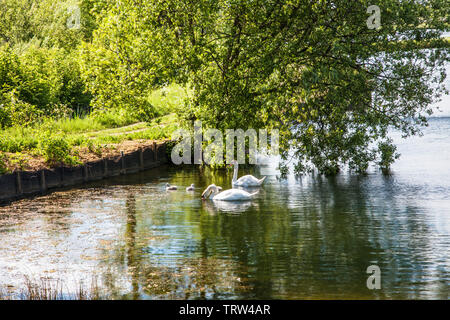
pixel 388 154
pixel 3 167
pixel 5 117
pixel 47 78
pixel 57 150
pixel 17 112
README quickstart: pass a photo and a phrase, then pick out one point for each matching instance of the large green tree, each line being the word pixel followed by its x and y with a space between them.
pixel 127 57
pixel 312 69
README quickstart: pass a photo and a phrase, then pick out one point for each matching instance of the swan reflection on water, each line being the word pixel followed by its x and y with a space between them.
pixel 214 207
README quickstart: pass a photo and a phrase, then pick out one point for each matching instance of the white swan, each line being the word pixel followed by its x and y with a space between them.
pixel 245 181
pixel 169 187
pixel 228 195
pixel 190 188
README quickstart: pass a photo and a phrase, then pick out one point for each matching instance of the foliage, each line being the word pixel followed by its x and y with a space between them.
pixel 387 154
pixel 3 168
pixel 43 81
pixel 57 150
pixel 39 60
pixel 116 117
pixel 60 141
pixel 169 99
pixel 311 69
pixel 16 112
pixel 44 22
pixel 127 59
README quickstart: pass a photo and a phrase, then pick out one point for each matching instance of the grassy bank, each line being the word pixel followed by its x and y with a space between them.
pixel 75 141
pixel 70 141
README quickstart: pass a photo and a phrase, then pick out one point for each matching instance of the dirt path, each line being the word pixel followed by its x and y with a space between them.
pixel 116 132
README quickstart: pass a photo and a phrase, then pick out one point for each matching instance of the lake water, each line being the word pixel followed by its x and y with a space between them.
pixel 309 237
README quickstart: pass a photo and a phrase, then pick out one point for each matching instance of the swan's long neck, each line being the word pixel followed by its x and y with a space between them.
pixel 213 193
pixel 235 173
pixel 262 180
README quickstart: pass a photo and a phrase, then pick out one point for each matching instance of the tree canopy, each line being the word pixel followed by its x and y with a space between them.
pixel 312 69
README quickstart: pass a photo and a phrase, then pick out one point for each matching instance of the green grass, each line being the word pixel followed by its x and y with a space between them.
pixel 132 127
pixel 77 125
pixel 95 122
pixel 169 99
pixel 18 139
pixel 160 128
pixel 57 143
pixel 92 131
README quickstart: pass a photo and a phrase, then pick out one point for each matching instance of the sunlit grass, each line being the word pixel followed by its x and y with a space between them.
pixel 18 144
pixel 128 128
pixel 77 125
pixel 169 98
pixel 160 128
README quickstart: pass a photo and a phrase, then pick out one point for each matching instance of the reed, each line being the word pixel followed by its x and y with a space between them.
pixel 46 288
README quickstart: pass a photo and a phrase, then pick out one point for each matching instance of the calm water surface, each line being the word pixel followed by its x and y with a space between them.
pixel 308 237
